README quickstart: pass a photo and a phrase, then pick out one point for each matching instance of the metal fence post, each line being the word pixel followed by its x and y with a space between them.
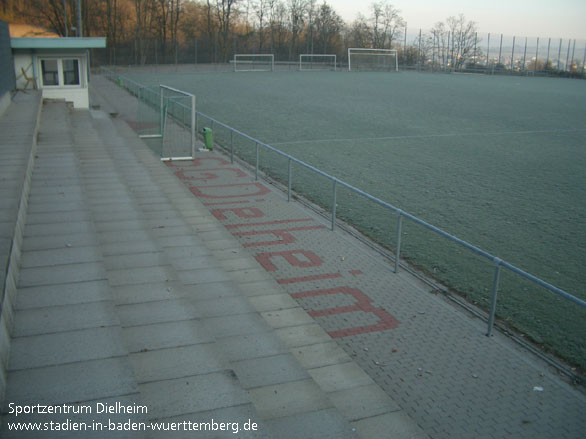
pixel 256 166
pixel 559 54
pixel 513 55
pixel 196 123
pixel 536 56
pixel 500 49
pixel 547 60
pixel 399 233
pixel 231 145
pixel 495 287
pixel 525 56
pixel 289 181
pixel 193 127
pixel 334 205
pixel 487 51
pixel 162 105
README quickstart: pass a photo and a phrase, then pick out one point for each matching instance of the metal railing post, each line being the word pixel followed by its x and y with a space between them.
pixel 256 166
pixel 231 146
pixel 289 181
pixel 162 106
pixel 334 205
pixel 495 287
pixel 193 130
pixel 399 233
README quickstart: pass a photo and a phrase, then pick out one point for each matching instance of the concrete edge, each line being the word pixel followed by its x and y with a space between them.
pixel 5 101
pixel 13 263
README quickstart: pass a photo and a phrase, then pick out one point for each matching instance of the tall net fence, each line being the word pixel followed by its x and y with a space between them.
pixel 492 53
pixel 418 49
pixel 317 62
pixel 249 63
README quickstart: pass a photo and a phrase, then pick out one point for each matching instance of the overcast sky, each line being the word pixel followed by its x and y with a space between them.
pixel 532 18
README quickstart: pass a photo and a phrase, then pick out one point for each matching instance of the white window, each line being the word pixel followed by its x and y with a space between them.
pixel 60 72
pixel 50 72
pixel 70 72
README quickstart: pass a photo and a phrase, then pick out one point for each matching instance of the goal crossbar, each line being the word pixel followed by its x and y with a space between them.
pixel 358 51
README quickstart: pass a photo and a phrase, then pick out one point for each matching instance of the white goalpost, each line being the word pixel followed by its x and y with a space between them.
pixel 373 59
pixel 168 114
pixel 308 62
pixel 254 63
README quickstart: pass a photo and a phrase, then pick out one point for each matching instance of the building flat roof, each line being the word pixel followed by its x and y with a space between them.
pixel 58 43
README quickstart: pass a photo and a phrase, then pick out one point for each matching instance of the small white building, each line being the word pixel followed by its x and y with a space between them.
pixel 57 66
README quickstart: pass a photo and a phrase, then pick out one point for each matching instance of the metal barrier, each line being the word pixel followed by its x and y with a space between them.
pixel 498 262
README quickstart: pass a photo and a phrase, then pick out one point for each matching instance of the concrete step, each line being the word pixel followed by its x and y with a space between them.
pixel 67 347
pixel 170 347
pixel 245 345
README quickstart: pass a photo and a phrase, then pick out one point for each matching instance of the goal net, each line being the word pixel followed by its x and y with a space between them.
pixel 167 116
pixel 373 59
pixel 309 62
pixel 254 63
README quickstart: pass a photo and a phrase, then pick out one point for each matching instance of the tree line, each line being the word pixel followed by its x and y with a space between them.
pixel 213 30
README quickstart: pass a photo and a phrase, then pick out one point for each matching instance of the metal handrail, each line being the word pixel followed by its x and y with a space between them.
pixel 498 262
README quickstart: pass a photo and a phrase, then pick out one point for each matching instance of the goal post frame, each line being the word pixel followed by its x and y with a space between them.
pixel 375 52
pixel 163 115
pixel 316 55
pixel 271 56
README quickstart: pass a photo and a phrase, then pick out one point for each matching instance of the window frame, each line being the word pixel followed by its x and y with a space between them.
pixel 61 71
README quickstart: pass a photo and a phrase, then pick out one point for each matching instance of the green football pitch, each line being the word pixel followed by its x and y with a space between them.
pixel 498 161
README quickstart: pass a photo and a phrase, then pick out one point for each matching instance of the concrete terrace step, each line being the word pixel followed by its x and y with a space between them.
pixel 18 128
pixel 335 377
pixel 67 340
pixel 245 345
pixel 131 293
pixel 175 359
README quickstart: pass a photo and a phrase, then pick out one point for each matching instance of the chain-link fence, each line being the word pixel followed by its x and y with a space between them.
pixel 493 53
pixel 488 53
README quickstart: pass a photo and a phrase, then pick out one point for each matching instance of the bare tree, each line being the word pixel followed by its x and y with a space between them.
pixel 440 38
pixel 360 32
pixel 328 26
pixel 278 16
pixel 464 40
pixel 392 25
pixel 145 15
pixel 311 17
pixel 297 14
pixel 424 44
pixel 261 9
pixel 224 15
pixel 386 24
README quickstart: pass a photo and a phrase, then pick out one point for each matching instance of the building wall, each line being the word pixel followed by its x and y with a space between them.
pixel 7 79
pixel 30 62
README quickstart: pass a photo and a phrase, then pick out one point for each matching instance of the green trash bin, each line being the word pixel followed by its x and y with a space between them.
pixel 120 83
pixel 208 138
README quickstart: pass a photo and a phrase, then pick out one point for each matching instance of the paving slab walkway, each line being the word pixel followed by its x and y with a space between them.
pixel 135 308
pixel 430 357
